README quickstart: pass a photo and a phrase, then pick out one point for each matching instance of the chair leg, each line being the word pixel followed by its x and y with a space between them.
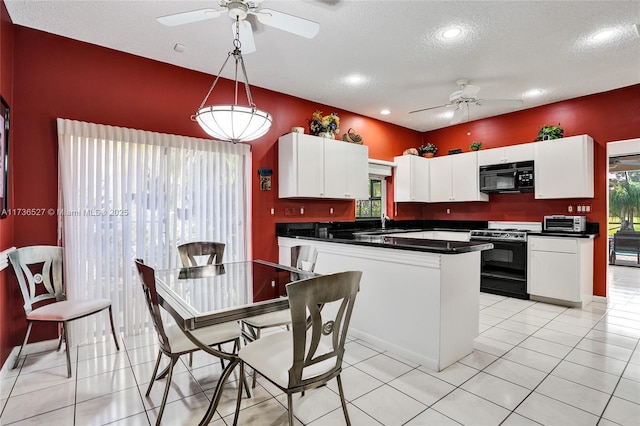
pixel 190 359
pixel 221 360
pixel 153 376
pixel 26 338
pixel 113 329
pixel 343 401
pixel 290 408
pixel 66 347
pixel 60 341
pixel 166 393
pixel 255 373
pixel 239 400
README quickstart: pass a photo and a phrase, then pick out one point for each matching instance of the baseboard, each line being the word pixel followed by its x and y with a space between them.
pixel 600 299
pixel 30 348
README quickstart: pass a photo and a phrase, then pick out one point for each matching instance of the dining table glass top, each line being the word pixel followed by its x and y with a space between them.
pixel 205 295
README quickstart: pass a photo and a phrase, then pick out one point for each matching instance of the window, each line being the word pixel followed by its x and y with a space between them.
pixel 374 206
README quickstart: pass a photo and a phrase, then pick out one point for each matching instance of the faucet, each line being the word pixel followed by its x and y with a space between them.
pixel 383 220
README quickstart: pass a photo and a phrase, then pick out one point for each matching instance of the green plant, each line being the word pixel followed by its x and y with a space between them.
pixel 550 132
pixel 475 146
pixel 428 148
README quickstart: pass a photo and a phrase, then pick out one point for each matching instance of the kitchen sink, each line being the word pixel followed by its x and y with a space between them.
pixel 384 231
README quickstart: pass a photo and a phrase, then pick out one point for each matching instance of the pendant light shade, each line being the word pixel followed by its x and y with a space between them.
pixel 234 123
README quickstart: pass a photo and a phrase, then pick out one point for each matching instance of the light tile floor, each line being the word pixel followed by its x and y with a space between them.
pixel 533 363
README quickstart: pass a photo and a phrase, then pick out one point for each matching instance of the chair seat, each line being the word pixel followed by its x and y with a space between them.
pixel 270 319
pixel 68 310
pixel 272 356
pixel 209 336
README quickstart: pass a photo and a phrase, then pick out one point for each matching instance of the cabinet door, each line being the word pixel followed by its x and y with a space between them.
pixel 411 179
pixel 517 153
pixel 554 275
pixel 300 166
pixel 487 157
pixel 336 163
pixel 464 178
pixel 564 168
pixel 357 169
pixel 440 180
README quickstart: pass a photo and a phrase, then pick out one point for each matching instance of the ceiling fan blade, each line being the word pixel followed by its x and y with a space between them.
pixel 427 109
pixel 247 44
pixel 293 24
pixel 469 91
pixel 507 103
pixel 188 17
pixel 460 114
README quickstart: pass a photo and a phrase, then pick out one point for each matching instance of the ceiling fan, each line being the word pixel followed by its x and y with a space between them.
pixel 466 96
pixel 238 10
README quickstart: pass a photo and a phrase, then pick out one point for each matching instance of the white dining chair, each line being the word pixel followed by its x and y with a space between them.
pixel 39 273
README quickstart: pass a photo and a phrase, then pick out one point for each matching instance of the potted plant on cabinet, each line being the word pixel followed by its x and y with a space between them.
pixel 428 150
pixel 550 132
pixel 475 146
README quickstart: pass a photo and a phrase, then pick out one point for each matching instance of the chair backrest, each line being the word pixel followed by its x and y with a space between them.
pixel 319 338
pixel 148 280
pixel 188 251
pixel 304 257
pixel 39 273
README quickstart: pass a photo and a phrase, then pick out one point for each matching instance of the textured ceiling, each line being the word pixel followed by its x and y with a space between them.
pixel 507 48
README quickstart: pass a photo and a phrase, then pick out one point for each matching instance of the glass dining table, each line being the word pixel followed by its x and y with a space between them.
pixel 201 296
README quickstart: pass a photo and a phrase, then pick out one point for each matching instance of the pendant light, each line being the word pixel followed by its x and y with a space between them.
pixel 234 123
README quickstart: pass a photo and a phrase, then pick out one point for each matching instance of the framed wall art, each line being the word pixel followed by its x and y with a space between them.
pixel 4 157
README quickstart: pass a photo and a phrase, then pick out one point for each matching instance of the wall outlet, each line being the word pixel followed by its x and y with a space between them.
pixel 330 210
pixel 448 211
pixel 570 209
pixel 301 211
pixel 587 209
pixel 273 211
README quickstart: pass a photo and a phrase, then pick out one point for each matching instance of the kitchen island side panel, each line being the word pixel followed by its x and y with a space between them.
pixel 399 307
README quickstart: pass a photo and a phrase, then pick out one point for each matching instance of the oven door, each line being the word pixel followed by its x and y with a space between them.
pixel 504 269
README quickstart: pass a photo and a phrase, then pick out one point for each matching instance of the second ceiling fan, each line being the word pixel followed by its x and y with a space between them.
pixel 238 10
pixel 466 96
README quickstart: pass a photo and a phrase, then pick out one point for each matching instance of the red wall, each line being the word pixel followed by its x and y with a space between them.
pixel 607 117
pixel 8 289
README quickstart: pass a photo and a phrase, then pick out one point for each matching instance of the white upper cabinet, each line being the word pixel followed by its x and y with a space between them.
pixel 455 178
pixel 564 168
pixel 411 179
pixel 314 167
pixel 506 154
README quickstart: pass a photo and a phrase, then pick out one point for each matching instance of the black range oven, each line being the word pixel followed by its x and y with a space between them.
pixel 504 268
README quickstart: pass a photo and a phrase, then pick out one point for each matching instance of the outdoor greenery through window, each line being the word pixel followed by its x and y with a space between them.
pixel 624 201
pixel 371 207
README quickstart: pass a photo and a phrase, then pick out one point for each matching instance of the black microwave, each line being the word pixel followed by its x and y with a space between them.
pixel 507 177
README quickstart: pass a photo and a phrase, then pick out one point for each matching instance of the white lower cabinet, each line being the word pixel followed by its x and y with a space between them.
pixel 560 269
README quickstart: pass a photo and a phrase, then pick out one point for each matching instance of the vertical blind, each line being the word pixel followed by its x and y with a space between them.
pixel 127 194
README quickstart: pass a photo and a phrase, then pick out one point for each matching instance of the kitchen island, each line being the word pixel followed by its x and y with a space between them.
pixel 418 298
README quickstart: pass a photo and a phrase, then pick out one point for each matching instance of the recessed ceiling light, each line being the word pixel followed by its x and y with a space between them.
pixel 385 112
pixel 533 93
pixel 451 33
pixel 355 79
pixel 603 35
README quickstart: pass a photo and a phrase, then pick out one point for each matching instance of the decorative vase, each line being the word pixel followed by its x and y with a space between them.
pixel 328 135
pixel 428 154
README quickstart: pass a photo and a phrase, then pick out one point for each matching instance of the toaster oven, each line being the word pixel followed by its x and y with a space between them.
pixel 562 223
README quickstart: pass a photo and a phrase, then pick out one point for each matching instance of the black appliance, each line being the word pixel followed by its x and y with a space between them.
pixel 503 269
pixel 507 177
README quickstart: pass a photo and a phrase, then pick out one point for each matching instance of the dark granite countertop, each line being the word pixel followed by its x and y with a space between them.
pixel 415 244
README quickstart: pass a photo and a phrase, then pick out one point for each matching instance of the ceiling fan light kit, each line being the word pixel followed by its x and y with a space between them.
pixel 233 123
pixel 236 123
